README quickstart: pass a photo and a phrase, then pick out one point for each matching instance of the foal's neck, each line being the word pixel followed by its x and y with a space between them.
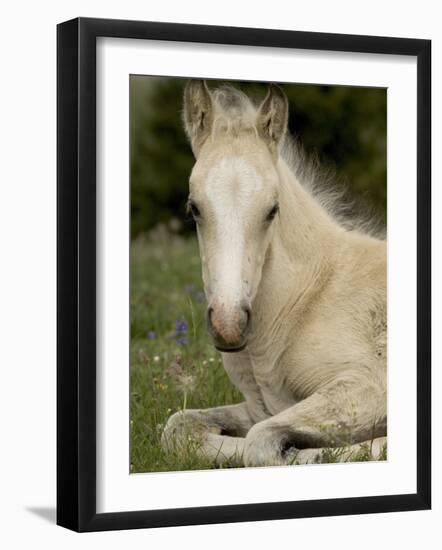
pixel 305 230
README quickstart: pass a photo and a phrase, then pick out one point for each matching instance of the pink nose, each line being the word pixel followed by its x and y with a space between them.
pixel 228 326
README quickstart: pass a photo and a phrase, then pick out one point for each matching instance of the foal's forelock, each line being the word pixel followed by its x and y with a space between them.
pixel 234 115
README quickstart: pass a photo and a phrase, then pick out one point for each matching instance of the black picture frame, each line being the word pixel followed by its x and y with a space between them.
pixel 76 273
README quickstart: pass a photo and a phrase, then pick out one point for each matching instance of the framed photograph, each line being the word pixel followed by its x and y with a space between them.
pixel 243 274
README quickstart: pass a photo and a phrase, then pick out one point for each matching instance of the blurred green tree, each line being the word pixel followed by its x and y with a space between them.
pixel 344 126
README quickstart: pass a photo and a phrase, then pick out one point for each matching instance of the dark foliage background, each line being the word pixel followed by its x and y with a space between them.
pixel 344 126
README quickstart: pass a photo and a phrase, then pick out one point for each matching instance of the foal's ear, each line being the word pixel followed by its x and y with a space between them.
pixel 198 113
pixel 272 117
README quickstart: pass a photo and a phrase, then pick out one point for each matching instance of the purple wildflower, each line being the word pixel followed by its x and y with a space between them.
pixel 181 327
pixel 195 293
pixel 151 335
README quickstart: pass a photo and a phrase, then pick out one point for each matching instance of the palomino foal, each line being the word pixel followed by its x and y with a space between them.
pixel 296 298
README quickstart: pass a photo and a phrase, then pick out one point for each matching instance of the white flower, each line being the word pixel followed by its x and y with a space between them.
pixel 183 378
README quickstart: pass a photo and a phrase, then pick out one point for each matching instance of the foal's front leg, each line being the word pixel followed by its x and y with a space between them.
pixel 345 412
pixel 218 432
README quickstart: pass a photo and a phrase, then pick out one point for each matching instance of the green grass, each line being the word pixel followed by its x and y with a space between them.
pixel 166 288
pixel 173 369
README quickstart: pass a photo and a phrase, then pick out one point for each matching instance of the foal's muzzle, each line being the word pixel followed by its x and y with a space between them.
pixel 229 327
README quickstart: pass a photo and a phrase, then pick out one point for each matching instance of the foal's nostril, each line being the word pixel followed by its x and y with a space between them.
pixel 247 315
pixel 209 314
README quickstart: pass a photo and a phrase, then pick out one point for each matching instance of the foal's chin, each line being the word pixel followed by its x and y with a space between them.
pixel 231 349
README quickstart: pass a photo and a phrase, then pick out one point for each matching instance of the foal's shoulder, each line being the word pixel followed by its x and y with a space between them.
pixel 366 254
pixel 362 265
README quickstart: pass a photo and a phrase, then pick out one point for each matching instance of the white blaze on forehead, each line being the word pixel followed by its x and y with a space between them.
pixel 230 185
pixel 231 182
pixel 229 175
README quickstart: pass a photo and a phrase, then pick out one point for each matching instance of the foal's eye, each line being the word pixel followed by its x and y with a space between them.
pixel 194 210
pixel 270 216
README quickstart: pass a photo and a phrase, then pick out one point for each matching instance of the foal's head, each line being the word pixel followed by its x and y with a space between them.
pixel 233 198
